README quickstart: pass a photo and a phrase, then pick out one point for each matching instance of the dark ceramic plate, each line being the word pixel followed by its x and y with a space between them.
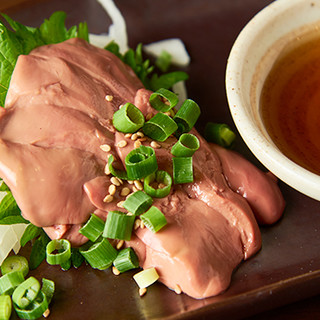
pixel 287 269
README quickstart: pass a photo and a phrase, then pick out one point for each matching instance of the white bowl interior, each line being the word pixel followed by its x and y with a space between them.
pixel 250 60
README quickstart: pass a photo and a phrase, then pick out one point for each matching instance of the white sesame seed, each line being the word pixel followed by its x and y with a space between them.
pixel 143 139
pixel 142 291
pixel 46 313
pixel 136 224
pixel 130 214
pixel 125 191
pixel 115 271
pixel 155 145
pixel 134 189
pixel 161 185
pixel 120 204
pixel 141 224
pixel 177 289
pixel 130 181
pixel 140 134
pixel 137 144
pixel 138 184
pixel 122 143
pixel 120 244
pixel 112 189
pixel 115 181
pixel 108 198
pixel 109 97
pixel 167 113
pixel 106 170
pixel 121 105
pixel 128 135
pixel 134 136
pixel 105 147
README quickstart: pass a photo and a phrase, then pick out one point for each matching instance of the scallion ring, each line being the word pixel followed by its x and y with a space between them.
pixel 140 162
pixel 182 170
pixel 5 307
pixel 26 292
pixel 36 308
pixel 219 133
pixel 154 219
pixel 187 116
pixel 100 255
pixel 163 100
pixel 164 183
pixel 128 118
pixel 10 281
pixel 138 202
pixel 186 146
pixel 58 251
pixel 118 225
pixel 93 228
pixel 160 127
pixel 15 263
pixel 126 260
pixel 115 172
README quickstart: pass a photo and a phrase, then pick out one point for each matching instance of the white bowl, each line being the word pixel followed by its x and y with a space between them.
pixel 249 63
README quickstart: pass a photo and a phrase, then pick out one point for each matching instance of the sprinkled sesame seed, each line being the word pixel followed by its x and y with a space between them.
pixel 142 291
pixel 108 198
pixel 167 113
pixel 105 147
pixel 130 181
pixel 106 170
pixel 134 136
pixel 46 313
pixel 137 144
pixel 143 139
pixel 128 135
pixel 115 271
pixel 120 244
pixel 130 214
pixel 177 289
pixel 140 134
pixel 141 224
pixel 155 145
pixel 109 97
pixel 161 185
pixel 125 191
pixel 134 189
pixel 138 184
pixel 122 143
pixel 115 181
pixel 112 189
pixel 136 224
pixel 120 204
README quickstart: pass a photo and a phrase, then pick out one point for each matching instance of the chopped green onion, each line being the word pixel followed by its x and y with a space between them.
pixel 63 247
pixel 163 61
pixel 118 225
pixel 219 133
pixel 187 116
pixel 126 260
pixel 93 228
pixel 10 281
pixel 154 219
pixel 66 265
pixel 162 178
pixel 128 119
pixel 182 170
pixel 137 203
pixel 48 288
pixel 160 127
pixel 146 277
pixel 15 263
pixel 100 255
pixel 163 100
pixel 186 146
pixel 26 292
pixel 35 310
pixel 115 172
pixel 76 257
pixel 5 307
pixel 141 162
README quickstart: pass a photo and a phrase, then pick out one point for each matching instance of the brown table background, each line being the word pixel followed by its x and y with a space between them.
pixel 287 271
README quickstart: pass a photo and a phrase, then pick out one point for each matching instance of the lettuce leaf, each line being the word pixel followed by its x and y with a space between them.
pixel 22 39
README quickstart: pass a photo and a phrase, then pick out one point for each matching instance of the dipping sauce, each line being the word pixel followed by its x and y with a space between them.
pixel 290 102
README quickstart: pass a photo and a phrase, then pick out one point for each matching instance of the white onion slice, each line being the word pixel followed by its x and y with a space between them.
pixel 175 47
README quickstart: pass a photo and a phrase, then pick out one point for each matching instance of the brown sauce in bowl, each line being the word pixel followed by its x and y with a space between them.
pixel 290 103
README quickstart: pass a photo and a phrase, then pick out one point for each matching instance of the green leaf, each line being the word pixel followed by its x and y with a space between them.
pixel 30 233
pixel 4 187
pixel 13 220
pixel 9 207
pixel 38 251
pixel 167 80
